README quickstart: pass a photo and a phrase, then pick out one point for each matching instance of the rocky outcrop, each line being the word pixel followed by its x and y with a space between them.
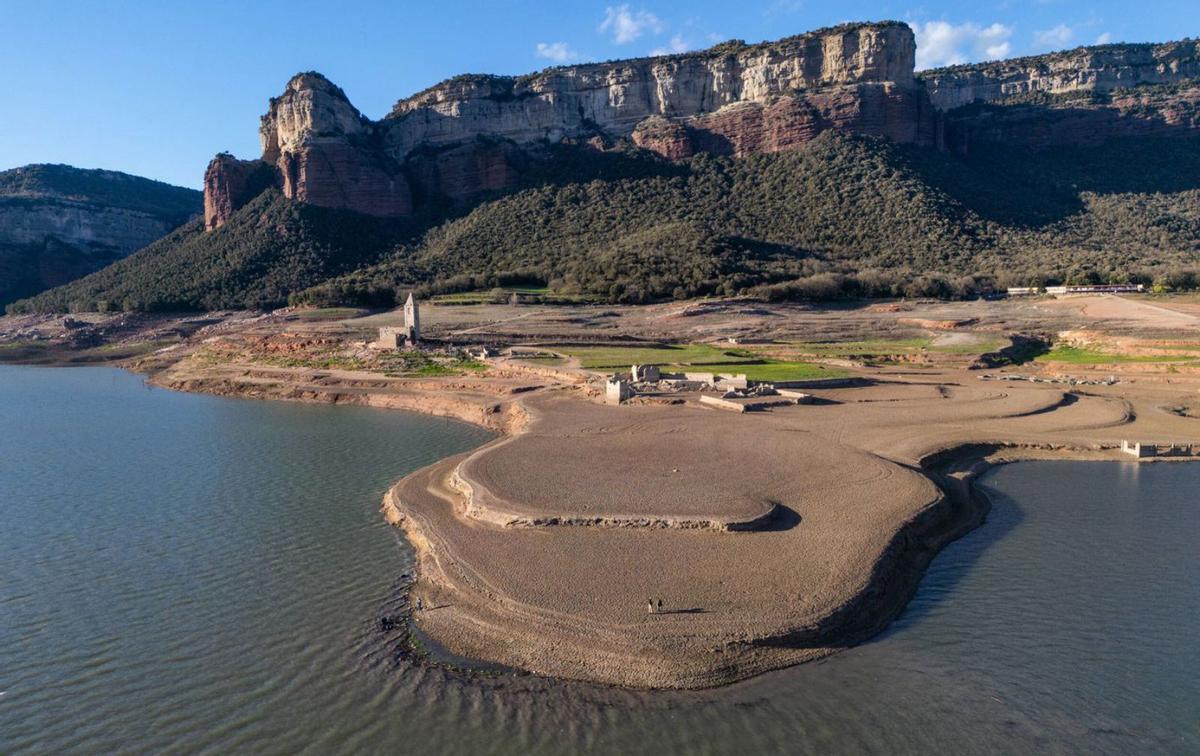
pixel 901 114
pixel 671 139
pixel 613 98
pixel 230 183
pixel 1087 69
pixel 1076 98
pixel 343 175
pixel 327 153
pixel 1166 111
pixel 474 134
pixel 58 223
pixel 462 171
pixel 318 149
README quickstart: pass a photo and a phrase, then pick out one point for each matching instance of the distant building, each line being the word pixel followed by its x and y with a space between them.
pixel 617 391
pixel 1141 450
pixel 645 373
pixel 1026 291
pixel 389 338
pixel 412 321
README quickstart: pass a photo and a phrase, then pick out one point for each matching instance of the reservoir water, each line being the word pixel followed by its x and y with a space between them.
pixel 188 573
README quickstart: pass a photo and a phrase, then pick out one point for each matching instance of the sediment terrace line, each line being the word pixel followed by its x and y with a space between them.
pixel 490 509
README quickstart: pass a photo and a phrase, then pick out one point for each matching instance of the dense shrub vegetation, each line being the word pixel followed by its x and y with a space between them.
pixel 845 216
pixel 108 188
pixel 270 248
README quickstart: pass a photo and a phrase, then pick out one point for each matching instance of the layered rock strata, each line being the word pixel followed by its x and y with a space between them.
pixel 1086 69
pixel 58 223
pixel 1076 98
pixel 230 183
pixel 475 134
pixel 471 134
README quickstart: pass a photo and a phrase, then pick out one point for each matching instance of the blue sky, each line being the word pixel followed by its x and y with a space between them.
pixel 156 88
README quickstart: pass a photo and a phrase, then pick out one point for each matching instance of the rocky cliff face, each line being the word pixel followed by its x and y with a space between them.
pixel 112 231
pixel 613 98
pixel 230 183
pixel 1078 97
pixel 58 223
pixel 473 134
pixel 1087 69
pixel 1155 111
pixel 316 148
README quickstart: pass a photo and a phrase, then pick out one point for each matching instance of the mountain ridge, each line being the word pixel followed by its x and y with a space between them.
pixel 58 222
pixel 486 152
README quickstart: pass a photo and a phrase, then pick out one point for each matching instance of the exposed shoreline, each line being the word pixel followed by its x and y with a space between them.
pixel 775 537
pixel 961 507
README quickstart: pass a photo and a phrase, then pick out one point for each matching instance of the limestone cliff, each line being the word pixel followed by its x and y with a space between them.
pixel 1101 69
pixel 58 223
pixel 474 134
pixel 471 134
pixel 613 98
pixel 1080 97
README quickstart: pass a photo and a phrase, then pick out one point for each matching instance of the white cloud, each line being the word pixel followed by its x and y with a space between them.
pixel 944 44
pixel 1105 39
pixel 677 45
pixel 626 25
pixel 784 6
pixel 559 52
pixel 1055 39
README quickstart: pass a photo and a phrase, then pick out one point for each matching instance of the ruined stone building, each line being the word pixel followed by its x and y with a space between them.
pixel 412 321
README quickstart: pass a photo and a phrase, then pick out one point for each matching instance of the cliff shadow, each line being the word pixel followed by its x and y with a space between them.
pixel 1022 179
pixel 580 163
pixel 449 182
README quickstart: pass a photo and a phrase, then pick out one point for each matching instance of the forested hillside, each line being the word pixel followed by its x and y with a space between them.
pixel 844 215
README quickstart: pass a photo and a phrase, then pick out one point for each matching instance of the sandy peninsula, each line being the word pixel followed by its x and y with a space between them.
pixel 771 538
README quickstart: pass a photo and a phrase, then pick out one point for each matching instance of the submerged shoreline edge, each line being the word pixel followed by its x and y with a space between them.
pixel 954 470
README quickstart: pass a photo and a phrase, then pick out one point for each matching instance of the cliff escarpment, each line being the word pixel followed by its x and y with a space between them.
pixel 1087 69
pixel 817 166
pixel 1076 98
pixel 58 223
pixel 473 134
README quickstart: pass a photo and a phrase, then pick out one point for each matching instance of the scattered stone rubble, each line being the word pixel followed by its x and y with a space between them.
pixel 736 391
pixel 1111 380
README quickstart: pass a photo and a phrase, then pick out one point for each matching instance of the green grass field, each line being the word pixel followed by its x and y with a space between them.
pixel 701 358
pixel 594 358
pixel 886 347
pixel 862 348
pixel 329 313
pixel 772 370
pixel 1080 356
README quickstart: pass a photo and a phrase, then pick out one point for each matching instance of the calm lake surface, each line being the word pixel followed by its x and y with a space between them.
pixel 188 573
